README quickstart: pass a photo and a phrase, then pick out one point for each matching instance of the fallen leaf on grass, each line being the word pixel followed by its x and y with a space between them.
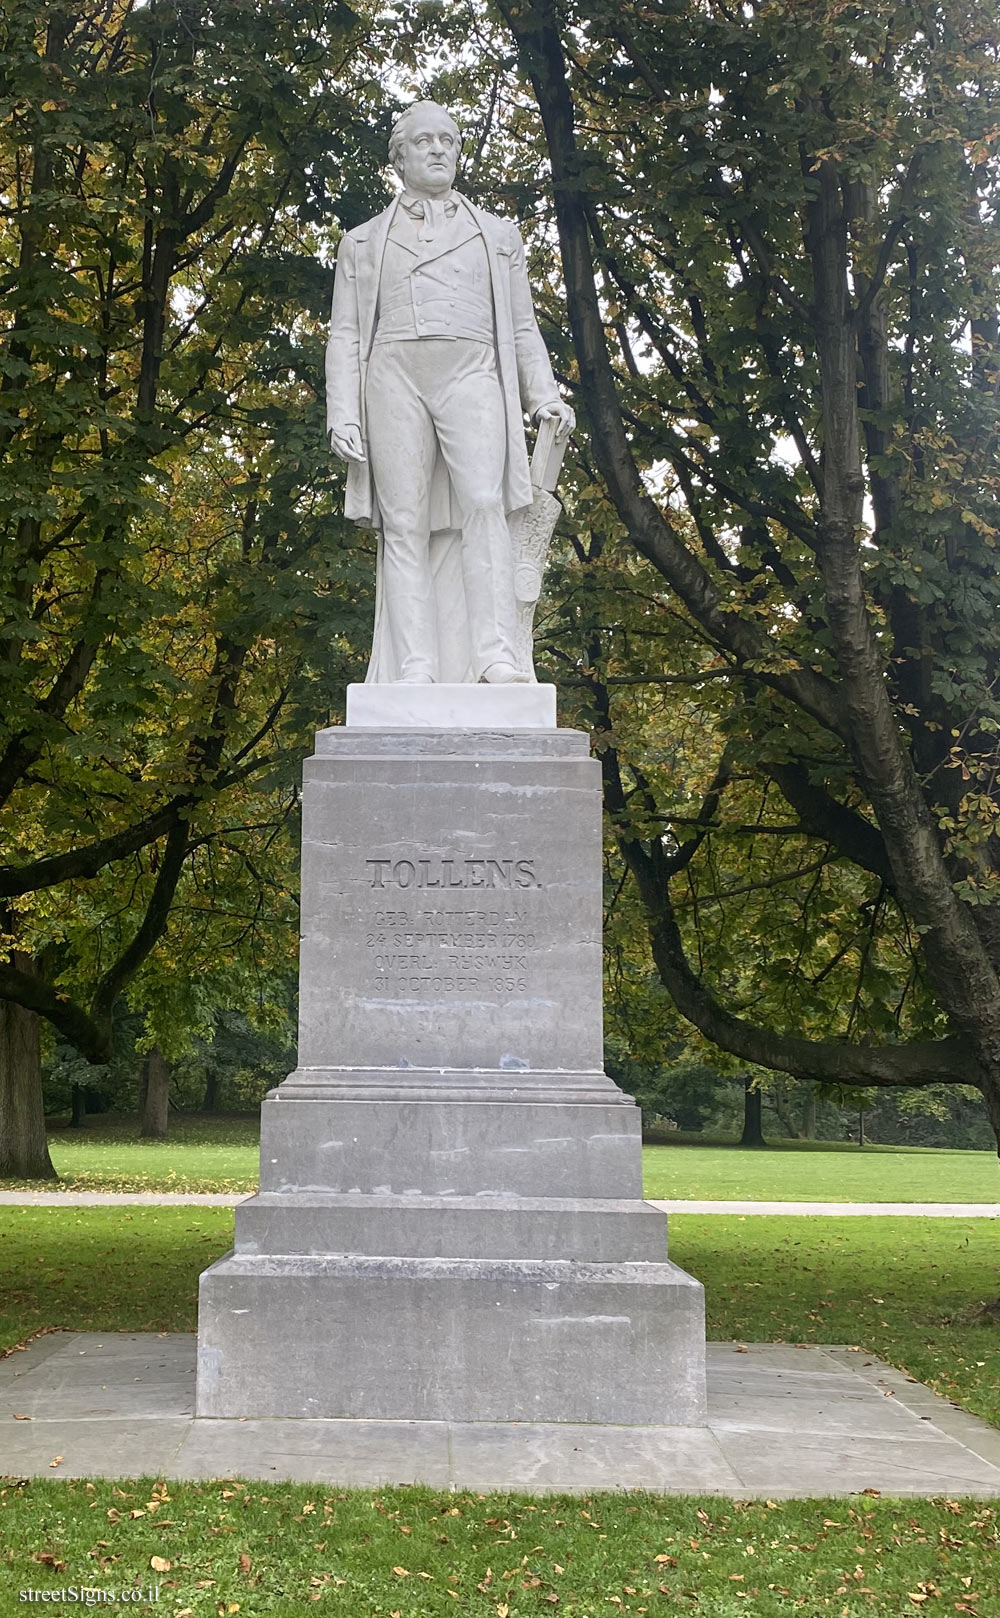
pixel 245 1563
pixel 159 1564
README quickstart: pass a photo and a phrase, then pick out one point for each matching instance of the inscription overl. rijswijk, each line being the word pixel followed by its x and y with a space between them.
pixel 452 872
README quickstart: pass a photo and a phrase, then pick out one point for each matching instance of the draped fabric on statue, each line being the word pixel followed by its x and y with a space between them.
pixel 526 381
pixel 453 650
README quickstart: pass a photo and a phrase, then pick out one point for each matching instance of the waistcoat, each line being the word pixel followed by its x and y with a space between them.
pixel 439 288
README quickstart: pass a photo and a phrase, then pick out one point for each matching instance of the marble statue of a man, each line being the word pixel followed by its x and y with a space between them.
pixel 433 358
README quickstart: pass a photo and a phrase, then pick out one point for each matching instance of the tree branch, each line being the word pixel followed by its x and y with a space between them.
pixel 536 32
pixel 64 1014
pixel 151 929
pixel 946 1061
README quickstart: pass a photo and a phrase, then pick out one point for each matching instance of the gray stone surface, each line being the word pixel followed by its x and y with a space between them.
pixel 452 707
pixel 450 1224
pixel 586 1229
pixel 455 902
pixel 451 1340
pixel 456 1148
pixel 353 1454
pixel 812 1423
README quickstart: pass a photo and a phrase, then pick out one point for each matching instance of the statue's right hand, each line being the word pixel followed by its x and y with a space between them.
pixel 345 441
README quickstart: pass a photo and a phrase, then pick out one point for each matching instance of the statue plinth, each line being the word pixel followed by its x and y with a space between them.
pixel 450 1223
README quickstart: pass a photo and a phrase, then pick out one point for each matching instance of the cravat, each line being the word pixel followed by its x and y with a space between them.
pixel 433 219
pixel 431 212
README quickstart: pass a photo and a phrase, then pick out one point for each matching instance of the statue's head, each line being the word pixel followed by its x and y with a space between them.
pixel 424 147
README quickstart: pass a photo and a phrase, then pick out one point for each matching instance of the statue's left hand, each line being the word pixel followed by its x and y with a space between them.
pixel 560 412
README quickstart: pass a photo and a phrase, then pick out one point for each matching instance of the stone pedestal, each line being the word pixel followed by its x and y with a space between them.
pixel 450 1224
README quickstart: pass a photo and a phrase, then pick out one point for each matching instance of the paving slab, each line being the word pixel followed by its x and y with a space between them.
pixel 784 1422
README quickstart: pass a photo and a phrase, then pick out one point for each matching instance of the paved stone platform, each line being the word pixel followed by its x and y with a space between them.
pixel 784 1422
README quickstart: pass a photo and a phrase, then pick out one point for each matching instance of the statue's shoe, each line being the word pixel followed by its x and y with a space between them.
pixel 505 674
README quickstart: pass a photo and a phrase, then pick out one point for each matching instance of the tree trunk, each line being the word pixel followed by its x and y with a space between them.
pixel 785 1119
pixel 79 1106
pixel 861 1126
pixel 753 1128
pixel 808 1130
pixel 24 1150
pixel 155 1096
pixel 213 1086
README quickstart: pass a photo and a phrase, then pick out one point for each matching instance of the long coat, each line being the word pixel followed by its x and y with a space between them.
pixel 522 361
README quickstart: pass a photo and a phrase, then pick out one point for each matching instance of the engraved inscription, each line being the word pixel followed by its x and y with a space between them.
pixel 448 950
pixel 454 872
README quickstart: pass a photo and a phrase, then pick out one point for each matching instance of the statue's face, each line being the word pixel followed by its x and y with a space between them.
pixel 428 154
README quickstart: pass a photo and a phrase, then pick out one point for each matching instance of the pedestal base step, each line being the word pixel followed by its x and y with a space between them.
pixel 452 1340
pixel 583 1230
pixel 440 1147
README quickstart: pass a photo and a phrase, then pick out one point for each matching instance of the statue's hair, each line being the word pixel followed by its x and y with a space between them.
pixel 399 128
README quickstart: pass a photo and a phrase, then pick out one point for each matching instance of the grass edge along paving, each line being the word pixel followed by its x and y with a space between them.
pixel 270 1551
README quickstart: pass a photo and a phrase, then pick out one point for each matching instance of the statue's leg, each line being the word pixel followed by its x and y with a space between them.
pixel 468 411
pixel 402 446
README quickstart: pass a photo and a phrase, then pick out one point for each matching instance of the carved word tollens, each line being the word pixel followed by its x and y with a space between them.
pixel 452 873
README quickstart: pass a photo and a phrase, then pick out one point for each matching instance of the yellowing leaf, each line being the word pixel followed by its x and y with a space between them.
pixel 159 1564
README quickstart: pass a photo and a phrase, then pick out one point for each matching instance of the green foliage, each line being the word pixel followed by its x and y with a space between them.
pixel 180 602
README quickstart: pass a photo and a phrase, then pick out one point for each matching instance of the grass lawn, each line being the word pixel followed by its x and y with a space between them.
pixel 906 1289
pixel 202 1153
pixel 909 1290
pixel 801 1171
pixel 206 1153
pixel 273 1551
